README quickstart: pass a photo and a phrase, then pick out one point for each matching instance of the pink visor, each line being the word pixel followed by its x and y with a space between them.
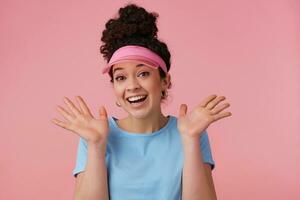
pixel 133 52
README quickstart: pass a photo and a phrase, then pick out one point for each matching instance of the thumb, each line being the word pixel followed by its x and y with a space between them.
pixel 182 110
pixel 102 113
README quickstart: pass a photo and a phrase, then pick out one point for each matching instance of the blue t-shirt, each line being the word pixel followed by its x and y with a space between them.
pixel 144 166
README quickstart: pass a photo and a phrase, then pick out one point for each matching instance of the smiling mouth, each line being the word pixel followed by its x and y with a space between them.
pixel 138 101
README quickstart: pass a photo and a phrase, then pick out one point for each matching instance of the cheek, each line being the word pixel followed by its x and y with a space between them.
pixel 118 92
pixel 155 90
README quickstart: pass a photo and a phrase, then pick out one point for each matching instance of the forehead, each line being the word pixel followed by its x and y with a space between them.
pixel 132 65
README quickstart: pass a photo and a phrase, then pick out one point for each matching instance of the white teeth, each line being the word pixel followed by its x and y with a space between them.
pixel 135 98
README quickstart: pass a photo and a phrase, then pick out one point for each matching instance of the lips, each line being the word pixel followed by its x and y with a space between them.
pixel 138 99
pixel 135 96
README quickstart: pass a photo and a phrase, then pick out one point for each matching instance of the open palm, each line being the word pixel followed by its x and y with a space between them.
pixel 192 124
pixel 81 121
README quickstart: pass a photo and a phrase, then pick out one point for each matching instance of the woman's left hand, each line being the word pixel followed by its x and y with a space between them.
pixel 192 124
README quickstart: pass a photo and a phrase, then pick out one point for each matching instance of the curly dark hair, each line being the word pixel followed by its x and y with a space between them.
pixel 133 26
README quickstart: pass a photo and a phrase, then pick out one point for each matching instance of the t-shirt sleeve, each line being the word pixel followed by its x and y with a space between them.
pixel 206 150
pixel 81 157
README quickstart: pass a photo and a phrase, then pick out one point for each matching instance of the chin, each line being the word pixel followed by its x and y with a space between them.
pixel 139 114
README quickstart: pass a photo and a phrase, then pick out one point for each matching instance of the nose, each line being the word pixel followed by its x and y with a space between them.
pixel 133 84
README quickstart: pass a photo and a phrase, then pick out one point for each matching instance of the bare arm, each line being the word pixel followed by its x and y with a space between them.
pixel 92 183
pixel 197 178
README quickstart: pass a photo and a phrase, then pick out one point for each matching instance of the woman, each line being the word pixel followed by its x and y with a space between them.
pixel 146 155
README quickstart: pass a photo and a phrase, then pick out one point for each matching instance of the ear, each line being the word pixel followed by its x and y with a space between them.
pixel 165 82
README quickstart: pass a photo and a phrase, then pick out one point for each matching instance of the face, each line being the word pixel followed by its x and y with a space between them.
pixel 143 83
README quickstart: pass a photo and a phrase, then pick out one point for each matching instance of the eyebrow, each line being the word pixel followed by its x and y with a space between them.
pixel 119 68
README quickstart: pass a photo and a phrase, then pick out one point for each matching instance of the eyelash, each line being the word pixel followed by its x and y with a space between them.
pixel 117 77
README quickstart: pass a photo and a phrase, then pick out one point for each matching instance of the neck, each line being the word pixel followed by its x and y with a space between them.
pixel 145 125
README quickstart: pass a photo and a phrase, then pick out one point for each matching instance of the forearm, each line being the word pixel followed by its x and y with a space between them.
pixel 196 184
pixel 93 185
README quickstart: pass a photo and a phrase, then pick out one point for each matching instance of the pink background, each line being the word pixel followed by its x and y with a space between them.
pixel 245 50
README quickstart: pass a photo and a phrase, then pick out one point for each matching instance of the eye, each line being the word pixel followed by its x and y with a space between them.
pixel 119 78
pixel 144 73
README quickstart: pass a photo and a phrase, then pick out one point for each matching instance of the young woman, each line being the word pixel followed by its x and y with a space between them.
pixel 146 155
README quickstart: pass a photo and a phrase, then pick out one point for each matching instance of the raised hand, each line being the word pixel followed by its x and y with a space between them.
pixel 208 111
pixel 81 121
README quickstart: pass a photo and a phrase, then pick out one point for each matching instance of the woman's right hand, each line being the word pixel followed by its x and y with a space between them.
pixel 81 121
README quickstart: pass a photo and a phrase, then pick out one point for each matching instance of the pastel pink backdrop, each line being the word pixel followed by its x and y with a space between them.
pixel 245 50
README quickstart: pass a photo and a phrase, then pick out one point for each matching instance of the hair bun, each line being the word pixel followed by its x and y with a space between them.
pixel 133 21
pixel 138 21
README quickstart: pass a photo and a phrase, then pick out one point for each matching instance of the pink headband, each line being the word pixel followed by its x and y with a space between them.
pixel 133 52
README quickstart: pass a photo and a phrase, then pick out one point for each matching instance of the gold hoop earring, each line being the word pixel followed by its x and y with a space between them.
pixel 164 94
pixel 117 103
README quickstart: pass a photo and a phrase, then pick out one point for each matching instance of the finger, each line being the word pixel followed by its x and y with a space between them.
pixel 207 100
pixel 102 113
pixel 215 102
pixel 72 107
pixel 222 115
pixel 80 109
pixel 182 110
pixel 219 108
pixel 65 113
pixel 60 123
pixel 83 106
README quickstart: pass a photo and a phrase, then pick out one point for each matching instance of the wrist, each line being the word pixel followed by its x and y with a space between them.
pixel 97 142
pixel 100 146
pixel 189 138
